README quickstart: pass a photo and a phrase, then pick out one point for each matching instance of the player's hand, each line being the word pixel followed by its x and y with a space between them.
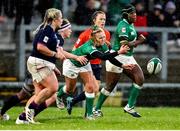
pixel 128 66
pixel 141 38
pixel 124 49
pixel 139 41
pixel 57 71
pixel 82 59
pixel 60 54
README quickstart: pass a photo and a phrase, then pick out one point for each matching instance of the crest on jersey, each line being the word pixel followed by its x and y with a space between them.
pixel 123 29
pixel 132 33
pixel 45 39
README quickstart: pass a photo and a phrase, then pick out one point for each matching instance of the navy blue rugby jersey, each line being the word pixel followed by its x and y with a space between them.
pixel 48 38
pixel 60 40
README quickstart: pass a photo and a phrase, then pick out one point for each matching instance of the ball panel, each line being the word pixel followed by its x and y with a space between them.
pixel 158 68
pixel 154 66
pixel 150 67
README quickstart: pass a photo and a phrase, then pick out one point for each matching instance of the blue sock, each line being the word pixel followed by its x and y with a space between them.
pixel 79 98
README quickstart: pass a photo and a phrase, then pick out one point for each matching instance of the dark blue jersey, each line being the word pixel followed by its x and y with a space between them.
pixel 60 40
pixel 48 38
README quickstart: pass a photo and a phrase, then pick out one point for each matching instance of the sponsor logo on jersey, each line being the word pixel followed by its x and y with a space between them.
pixel 45 39
pixel 123 29
pixel 132 33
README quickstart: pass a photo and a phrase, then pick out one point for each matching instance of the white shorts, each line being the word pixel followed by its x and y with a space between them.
pixel 72 71
pixel 39 68
pixel 121 58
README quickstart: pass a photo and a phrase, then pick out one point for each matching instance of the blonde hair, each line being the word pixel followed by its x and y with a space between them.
pixel 95 31
pixel 50 15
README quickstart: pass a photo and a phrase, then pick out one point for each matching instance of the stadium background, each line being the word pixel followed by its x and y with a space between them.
pixel 159 90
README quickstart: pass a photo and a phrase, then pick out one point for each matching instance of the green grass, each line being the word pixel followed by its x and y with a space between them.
pixel 114 119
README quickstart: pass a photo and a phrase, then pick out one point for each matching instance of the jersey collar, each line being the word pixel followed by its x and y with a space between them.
pixel 126 21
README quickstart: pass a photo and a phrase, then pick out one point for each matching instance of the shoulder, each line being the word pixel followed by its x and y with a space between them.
pixel 48 29
pixel 106 31
pixel 122 23
pixel 89 44
pixel 122 27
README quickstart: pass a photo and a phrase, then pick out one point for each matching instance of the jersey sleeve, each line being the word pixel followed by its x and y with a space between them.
pixel 104 56
pixel 45 36
pixel 123 31
pixel 60 40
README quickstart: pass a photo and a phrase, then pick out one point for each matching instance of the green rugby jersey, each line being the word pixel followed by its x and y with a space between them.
pixel 126 30
pixel 86 50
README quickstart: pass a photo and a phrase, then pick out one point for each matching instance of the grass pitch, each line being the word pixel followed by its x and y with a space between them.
pixel 114 119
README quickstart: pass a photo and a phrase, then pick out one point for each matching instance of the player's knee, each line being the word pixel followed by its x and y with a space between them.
pixel 96 90
pixel 139 80
pixel 89 87
pixel 110 86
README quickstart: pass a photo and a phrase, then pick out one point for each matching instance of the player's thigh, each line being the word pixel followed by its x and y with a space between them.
pixel 136 74
pixel 112 79
pixel 88 80
pixel 50 82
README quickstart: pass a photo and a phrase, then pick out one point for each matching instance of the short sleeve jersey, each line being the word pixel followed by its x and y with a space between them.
pixel 48 38
pixel 85 36
pixel 124 29
pixel 86 50
pixel 60 40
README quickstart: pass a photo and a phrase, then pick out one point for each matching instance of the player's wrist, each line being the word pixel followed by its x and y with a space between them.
pixel 54 54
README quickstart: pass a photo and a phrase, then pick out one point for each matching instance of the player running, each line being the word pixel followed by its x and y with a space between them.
pixel 125 35
pixel 41 63
pixel 28 89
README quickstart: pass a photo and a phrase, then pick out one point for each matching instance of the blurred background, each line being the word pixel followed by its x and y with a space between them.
pixel 158 20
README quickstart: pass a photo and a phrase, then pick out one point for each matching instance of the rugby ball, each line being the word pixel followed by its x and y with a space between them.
pixel 154 66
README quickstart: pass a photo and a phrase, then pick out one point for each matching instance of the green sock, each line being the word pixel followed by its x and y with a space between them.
pixel 100 101
pixel 89 104
pixel 102 97
pixel 133 95
pixel 60 91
